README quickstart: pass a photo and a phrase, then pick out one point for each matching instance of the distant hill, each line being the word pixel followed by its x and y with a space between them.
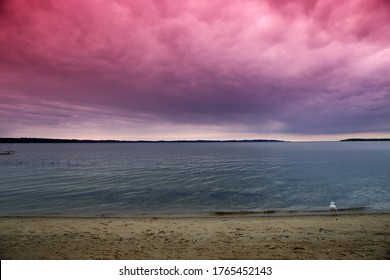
pixel 50 140
pixel 365 139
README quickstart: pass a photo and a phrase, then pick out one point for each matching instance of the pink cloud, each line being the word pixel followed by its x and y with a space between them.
pixel 270 66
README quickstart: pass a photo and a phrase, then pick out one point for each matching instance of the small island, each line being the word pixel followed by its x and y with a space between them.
pixel 364 139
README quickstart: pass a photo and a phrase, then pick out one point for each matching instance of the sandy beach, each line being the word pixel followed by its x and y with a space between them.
pixel 362 236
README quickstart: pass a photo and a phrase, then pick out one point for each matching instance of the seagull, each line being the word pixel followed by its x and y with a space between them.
pixel 332 208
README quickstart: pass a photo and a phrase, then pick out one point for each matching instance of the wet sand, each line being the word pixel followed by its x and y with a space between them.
pixel 358 236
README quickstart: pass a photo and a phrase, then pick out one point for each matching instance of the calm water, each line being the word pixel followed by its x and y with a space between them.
pixel 193 178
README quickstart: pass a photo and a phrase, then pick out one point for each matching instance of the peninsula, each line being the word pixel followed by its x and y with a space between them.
pixel 51 140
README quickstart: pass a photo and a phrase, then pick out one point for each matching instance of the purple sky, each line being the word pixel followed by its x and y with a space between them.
pixel 200 69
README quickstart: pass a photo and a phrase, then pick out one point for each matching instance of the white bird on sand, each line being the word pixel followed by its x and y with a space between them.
pixel 332 208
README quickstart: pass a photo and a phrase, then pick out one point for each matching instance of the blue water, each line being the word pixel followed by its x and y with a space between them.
pixel 120 179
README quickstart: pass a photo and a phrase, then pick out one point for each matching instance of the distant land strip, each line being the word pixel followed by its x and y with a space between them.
pixel 365 139
pixel 50 140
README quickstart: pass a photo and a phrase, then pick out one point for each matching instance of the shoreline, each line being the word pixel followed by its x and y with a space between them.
pixel 197 216
pixel 244 213
pixel 363 210
pixel 343 236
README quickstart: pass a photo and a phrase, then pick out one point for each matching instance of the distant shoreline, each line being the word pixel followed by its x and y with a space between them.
pixel 28 140
pixel 50 140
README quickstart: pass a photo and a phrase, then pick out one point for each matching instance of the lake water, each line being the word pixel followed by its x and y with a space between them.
pixel 127 179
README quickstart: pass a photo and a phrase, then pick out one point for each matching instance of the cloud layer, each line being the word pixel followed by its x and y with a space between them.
pixel 122 68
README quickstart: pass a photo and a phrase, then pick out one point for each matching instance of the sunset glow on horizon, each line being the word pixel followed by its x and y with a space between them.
pixel 301 70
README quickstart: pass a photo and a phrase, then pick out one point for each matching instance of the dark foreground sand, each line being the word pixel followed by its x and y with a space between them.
pixel 365 236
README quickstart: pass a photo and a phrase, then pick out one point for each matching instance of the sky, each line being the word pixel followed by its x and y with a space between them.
pixel 302 70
